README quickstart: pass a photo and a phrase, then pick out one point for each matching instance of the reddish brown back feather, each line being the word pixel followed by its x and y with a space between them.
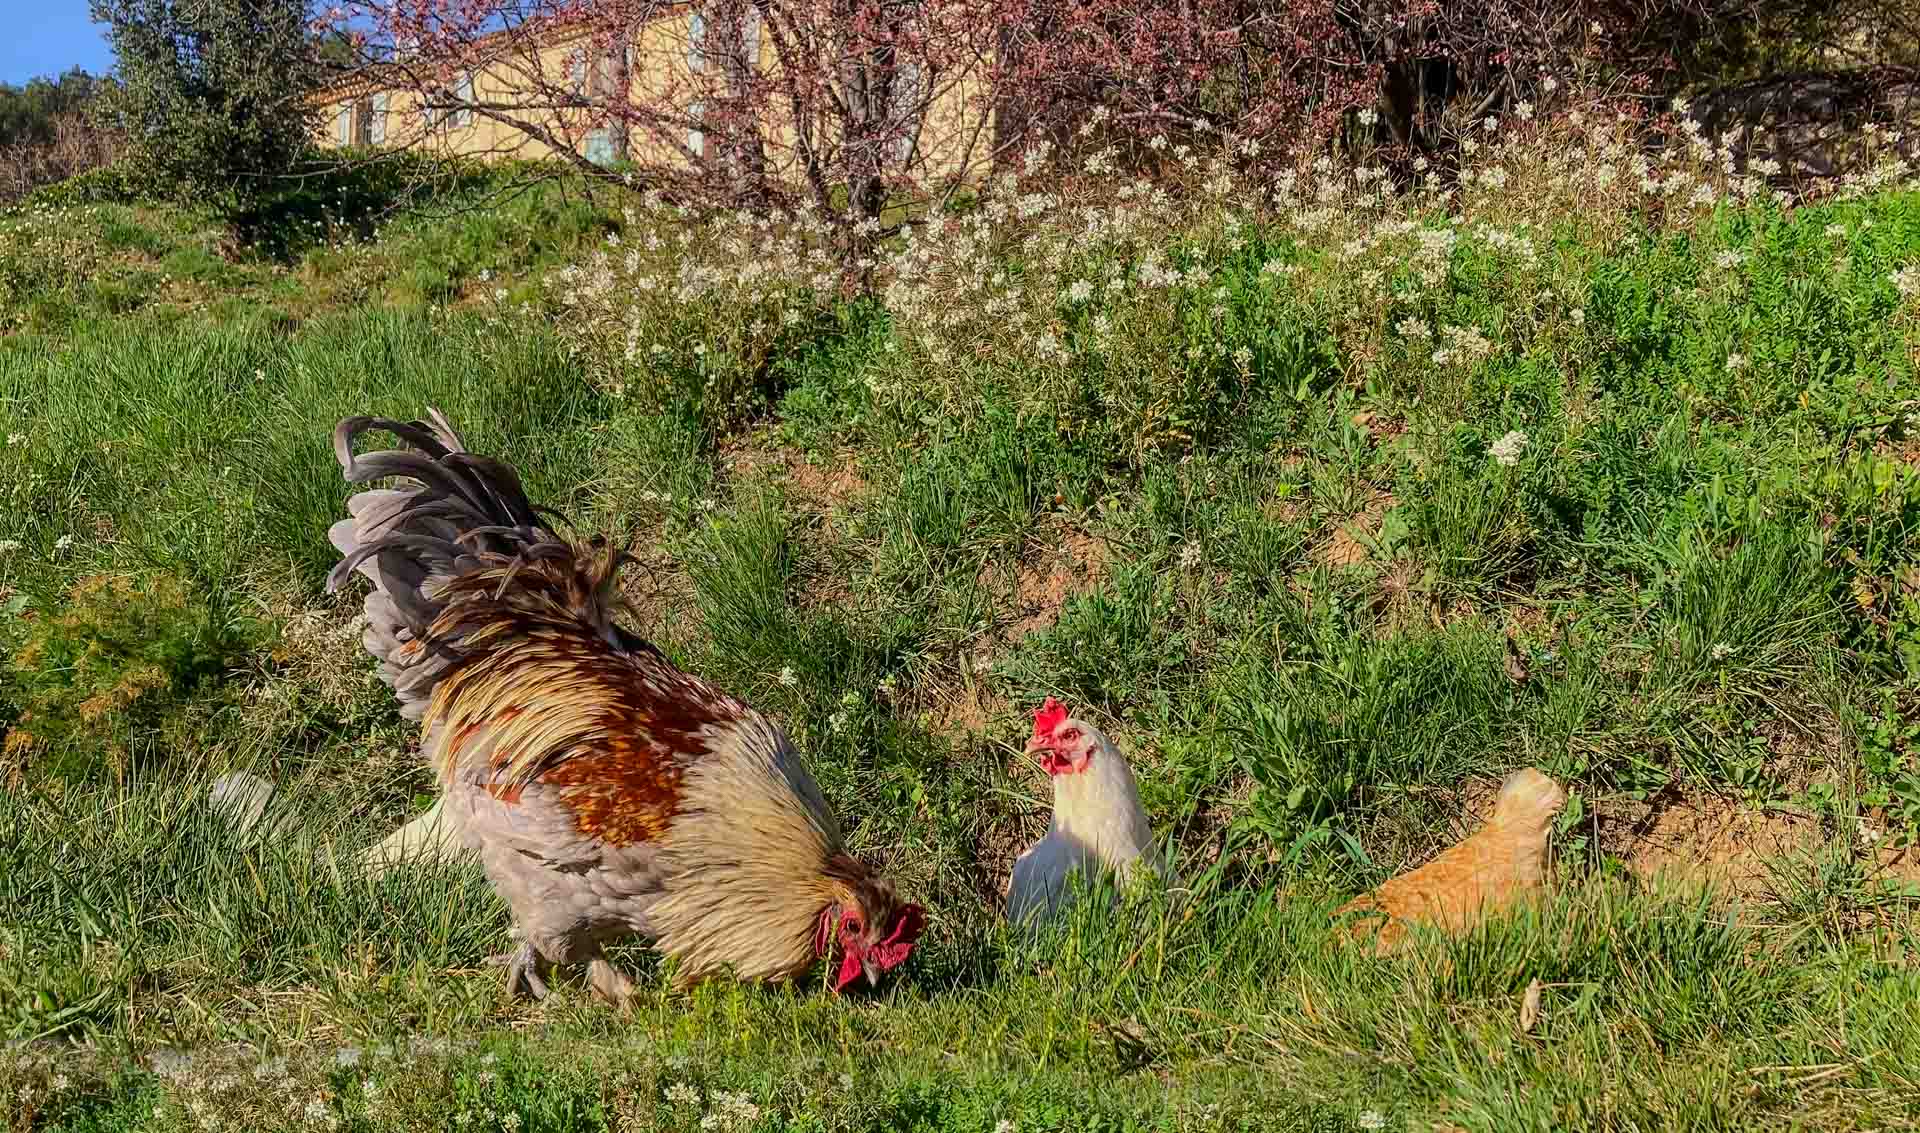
pixel 557 702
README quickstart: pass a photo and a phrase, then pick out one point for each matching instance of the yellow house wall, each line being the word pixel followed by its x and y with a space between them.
pixel 955 136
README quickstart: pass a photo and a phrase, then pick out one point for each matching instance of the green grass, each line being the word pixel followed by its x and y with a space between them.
pixel 1317 625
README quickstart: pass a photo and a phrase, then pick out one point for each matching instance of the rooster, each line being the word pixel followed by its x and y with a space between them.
pixel 606 792
pixel 1504 861
pixel 1097 819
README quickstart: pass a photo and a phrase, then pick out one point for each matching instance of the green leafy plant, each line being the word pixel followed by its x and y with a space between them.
pixel 124 653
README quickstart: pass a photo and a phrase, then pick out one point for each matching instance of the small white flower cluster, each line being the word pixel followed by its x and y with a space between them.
pixel 731 1111
pixel 1506 451
pixel 1465 345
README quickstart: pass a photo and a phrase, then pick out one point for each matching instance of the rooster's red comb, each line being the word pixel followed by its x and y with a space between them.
pixel 1048 718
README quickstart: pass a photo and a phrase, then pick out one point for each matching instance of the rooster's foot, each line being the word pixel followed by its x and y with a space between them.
pixel 609 982
pixel 525 968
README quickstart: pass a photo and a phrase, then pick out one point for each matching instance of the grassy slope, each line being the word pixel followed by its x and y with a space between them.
pixel 1699 567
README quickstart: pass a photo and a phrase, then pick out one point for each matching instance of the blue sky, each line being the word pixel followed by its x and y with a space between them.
pixel 45 37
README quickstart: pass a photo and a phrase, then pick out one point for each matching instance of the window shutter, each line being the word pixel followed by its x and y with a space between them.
pixel 909 93
pixel 377 128
pixel 750 35
pixel 697 41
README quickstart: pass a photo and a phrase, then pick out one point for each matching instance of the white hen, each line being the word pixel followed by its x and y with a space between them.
pixel 1098 825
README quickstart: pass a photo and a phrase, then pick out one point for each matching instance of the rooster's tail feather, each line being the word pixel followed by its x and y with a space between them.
pixel 460 514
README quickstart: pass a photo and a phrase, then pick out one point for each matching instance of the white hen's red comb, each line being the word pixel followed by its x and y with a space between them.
pixel 1048 718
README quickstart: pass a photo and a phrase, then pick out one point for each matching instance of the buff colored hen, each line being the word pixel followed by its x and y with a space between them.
pixel 1504 862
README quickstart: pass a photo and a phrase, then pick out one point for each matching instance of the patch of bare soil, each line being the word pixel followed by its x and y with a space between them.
pixel 662 598
pixel 1068 562
pixel 821 488
pixel 1705 840
pixel 964 711
pixel 1348 544
pixel 1695 841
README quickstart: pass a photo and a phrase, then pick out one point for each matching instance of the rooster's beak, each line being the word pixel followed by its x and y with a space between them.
pixel 871 969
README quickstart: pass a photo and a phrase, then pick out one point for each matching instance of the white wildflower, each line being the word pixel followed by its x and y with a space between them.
pixel 9 546
pixel 1369 116
pixel 1729 259
pixel 1736 363
pixel 1242 357
pixel 1869 833
pixel 1907 279
pixel 1506 450
pixel 63 543
pixel 1189 556
pixel 1836 231
pixel 1720 651
pixel 1371 1119
pixel 1080 292
pixel 788 677
pixel 1578 316
pixel 16 439
pixel 680 1093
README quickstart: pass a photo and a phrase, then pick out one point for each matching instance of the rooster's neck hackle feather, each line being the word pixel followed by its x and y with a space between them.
pixel 755 856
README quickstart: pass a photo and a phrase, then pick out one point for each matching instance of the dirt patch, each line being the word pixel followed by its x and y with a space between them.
pixel 1706 840
pixel 821 487
pixel 967 711
pixel 1381 429
pixel 1069 562
pixel 662 599
pixel 1348 544
pixel 1694 841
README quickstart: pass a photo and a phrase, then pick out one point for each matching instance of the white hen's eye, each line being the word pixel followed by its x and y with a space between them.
pixel 1070 735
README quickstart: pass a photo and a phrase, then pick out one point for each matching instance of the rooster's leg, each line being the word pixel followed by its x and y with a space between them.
pixel 525 967
pixel 609 982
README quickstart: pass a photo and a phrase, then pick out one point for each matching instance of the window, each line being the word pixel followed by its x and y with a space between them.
pixel 750 35
pixel 453 105
pixel 696 138
pixel 463 92
pixel 698 52
pixel 343 124
pixel 377 120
